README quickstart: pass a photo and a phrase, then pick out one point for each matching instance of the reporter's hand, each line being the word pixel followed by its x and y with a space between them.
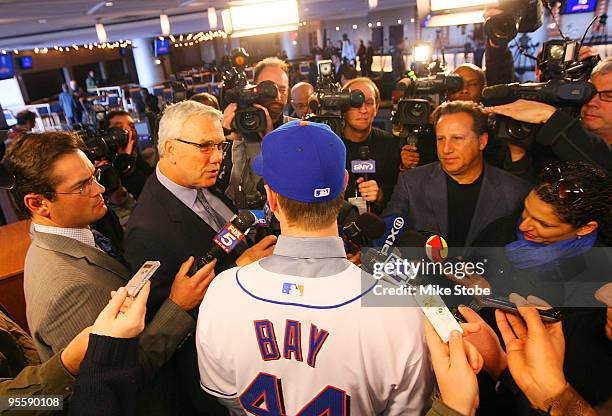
pixel 113 322
pixel 535 353
pixel 73 354
pixel 354 258
pixel 262 249
pixel 486 342
pixel 187 292
pixel 410 157
pixel 524 110
pixel 586 52
pixel 369 190
pixel 228 115
pixel 516 152
pixel 131 144
pixel 456 365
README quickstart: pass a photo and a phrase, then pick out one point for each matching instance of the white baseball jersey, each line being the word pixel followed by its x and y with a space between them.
pixel 289 345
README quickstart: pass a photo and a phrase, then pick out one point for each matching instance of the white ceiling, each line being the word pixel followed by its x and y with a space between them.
pixel 25 24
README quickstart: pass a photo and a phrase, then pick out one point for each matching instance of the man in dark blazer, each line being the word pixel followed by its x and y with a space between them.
pixel 179 212
pixel 459 195
pixel 70 269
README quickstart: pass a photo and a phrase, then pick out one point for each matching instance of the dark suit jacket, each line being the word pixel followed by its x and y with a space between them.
pixel 162 228
pixel 420 196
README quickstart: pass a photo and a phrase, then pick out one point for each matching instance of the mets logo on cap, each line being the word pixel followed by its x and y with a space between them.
pixel 436 248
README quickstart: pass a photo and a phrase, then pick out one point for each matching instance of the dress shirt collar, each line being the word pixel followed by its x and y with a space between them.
pixel 83 235
pixel 187 196
pixel 310 247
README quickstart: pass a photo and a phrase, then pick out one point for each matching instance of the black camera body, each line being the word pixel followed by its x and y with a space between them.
pixel 522 16
pixel 560 61
pixel 236 89
pixel 565 86
pixel 411 117
pixel 329 102
pixel 105 145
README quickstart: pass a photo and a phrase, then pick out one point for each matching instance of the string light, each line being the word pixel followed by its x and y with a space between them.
pixel 190 39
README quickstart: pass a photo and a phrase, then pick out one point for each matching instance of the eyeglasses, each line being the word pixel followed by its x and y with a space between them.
pixel 568 193
pixel 605 95
pixel 207 148
pixel 87 186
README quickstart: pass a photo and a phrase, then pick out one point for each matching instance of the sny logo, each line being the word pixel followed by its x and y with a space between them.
pixel 363 166
pixel 320 193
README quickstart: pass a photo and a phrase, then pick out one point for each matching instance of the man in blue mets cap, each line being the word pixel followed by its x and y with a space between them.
pixel 288 334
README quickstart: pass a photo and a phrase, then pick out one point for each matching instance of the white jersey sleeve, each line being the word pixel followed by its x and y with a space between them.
pixel 217 376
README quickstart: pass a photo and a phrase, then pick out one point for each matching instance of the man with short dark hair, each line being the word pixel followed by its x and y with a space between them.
pixel 296 322
pixel 26 121
pixel 473 83
pixel 135 179
pixel 70 269
pixel 461 194
pixel 243 183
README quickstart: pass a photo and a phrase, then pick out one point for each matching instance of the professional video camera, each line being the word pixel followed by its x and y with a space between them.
pixel 522 16
pixel 104 146
pixel 565 86
pixel 411 117
pixel 559 60
pixel 236 89
pixel 329 101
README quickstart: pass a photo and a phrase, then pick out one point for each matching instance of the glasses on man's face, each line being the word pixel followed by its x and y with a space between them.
pixel 207 148
pixel 86 187
pixel 567 192
pixel 605 95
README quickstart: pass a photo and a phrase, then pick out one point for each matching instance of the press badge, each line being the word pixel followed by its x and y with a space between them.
pixel 360 203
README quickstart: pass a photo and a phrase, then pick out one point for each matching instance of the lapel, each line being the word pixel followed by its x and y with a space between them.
pixel 489 198
pixel 76 249
pixel 179 213
pixel 435 194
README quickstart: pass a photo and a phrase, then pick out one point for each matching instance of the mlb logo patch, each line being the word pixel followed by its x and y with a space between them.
pixel 320 193
pixel 293 289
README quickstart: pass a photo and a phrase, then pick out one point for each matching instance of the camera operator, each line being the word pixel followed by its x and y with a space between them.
pixel 135 180
pixel 586 139
pixel 243 181
pixel 383 147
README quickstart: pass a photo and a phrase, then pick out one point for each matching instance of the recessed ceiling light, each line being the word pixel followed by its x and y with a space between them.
pixel 41 21
pixel 109 4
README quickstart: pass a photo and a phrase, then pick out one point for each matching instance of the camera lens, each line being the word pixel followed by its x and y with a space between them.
pixel 519 130
pixel 416 110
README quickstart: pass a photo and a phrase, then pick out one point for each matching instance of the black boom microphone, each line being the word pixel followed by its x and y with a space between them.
pixel 365 228
pixel 229 237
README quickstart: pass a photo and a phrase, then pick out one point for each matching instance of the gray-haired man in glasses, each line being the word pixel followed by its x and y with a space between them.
pixel 70 269
pixel 179 210
pixel 588 139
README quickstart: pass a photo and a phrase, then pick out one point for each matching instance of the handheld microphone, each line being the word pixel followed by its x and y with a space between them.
pixel 395 225
pixel 366 228
pixel 364 165
pixel 228 238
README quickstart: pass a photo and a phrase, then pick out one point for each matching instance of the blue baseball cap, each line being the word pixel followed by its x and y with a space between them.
pixel 304 161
